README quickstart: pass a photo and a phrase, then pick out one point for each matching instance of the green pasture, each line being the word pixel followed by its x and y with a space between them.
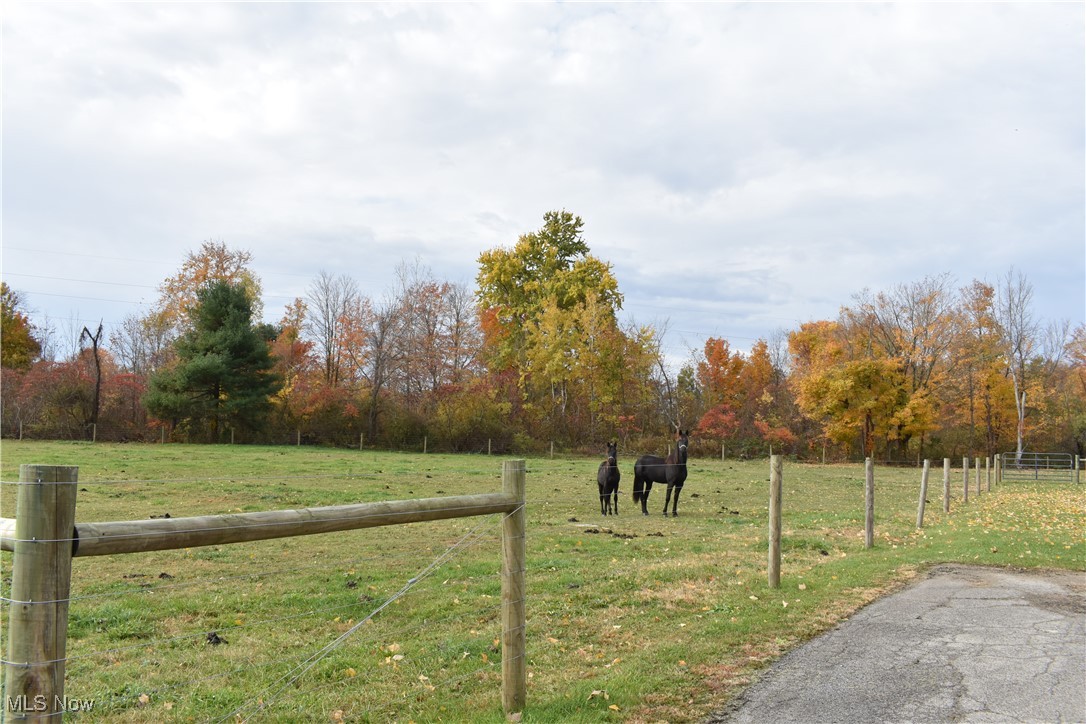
pixel 630 618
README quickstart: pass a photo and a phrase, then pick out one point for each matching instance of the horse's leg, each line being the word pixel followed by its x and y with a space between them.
pixel 675 505
pixel 602 499
pixel 645 498
pixel 668 500
pixel 616 501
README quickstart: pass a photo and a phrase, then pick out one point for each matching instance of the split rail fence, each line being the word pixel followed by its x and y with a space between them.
pixel 44 537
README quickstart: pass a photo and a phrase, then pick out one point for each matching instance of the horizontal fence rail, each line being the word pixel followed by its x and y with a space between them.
pixel 141 536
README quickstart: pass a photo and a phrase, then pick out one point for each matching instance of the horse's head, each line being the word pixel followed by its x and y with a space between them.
pixel 612 453
pixel 681 442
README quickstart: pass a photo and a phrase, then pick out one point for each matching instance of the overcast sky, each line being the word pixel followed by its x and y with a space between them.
pixel 745 167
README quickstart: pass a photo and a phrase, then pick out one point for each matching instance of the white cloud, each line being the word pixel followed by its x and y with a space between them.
pixel 743 166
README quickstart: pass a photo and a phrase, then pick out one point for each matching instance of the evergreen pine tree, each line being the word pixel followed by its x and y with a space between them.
pixel 223 376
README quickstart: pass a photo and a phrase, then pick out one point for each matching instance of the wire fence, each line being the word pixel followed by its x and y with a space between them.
pixel 184 633
pixel 382 624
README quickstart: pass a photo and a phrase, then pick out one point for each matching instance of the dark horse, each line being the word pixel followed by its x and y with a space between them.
pixel 651 469
pixel 608 478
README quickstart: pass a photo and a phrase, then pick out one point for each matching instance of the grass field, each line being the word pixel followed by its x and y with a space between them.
pixel 630 618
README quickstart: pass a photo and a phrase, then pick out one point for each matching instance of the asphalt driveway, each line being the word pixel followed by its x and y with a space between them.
pixel 961 644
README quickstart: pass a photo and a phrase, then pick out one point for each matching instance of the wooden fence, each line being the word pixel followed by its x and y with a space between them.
pixel 44 537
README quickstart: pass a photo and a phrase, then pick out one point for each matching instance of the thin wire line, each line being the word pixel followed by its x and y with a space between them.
pixel 326 650
pixel 350 475
pixel 267 664
pixel 208 581
pixel 182 637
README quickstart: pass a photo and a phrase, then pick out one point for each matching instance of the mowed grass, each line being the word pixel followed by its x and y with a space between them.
pixel 630 617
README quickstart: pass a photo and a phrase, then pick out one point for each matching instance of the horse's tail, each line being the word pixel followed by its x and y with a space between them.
pixel 638 488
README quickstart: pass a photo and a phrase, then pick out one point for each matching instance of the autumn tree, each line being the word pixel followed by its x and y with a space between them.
pixel 373 347
pixel 330 300
pixel 719 373
pixel 551 266
pixel 977 383
pixel 767 401
pixel 746 400
pixel 213 262
pixel 846 396
pixel 439 330
pixel 1018 332
pixel 294 365
pixel 543 306
pixel 1073 388
pixel 18 346
pixel 142 345
pixel 909 328
pixel 224 372
pixel 1057 404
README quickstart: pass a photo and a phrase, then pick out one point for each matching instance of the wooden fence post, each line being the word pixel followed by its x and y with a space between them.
pixel 946 485
pixel 775 497
pixel 965 480
pixel 988 473
pixel 923 494
pixel 976 474
pixel 869 527
pixel 40 583
pixel 514 650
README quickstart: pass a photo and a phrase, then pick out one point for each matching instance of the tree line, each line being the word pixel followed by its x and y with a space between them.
pixel 536 354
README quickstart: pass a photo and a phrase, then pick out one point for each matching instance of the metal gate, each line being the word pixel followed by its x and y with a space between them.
pixel 1047 467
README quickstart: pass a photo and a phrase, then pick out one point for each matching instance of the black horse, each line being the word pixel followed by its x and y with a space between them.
pixel 651 469
pixel 608 477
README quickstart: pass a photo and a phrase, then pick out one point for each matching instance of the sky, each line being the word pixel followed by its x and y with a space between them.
pixel 744 167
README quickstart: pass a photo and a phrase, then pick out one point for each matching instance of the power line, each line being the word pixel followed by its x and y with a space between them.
pixel 81 281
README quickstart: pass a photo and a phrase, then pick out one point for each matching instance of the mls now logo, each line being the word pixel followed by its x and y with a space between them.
pixel 40 703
